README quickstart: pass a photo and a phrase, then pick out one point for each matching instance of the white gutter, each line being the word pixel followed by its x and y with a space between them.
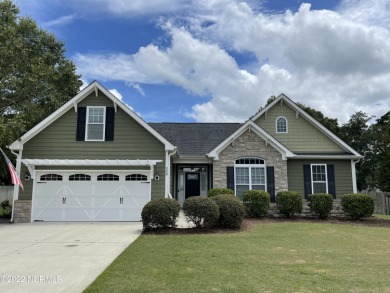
pixel 16 186
pixel 168 172
pixel 334 157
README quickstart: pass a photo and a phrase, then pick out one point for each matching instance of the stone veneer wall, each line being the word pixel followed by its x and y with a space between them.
pixel 22 211
pixel 249 144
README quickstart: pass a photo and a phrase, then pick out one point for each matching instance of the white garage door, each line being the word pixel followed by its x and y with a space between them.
pixel 90 195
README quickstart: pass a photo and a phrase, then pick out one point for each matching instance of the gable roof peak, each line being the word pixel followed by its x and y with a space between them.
pixel 72 103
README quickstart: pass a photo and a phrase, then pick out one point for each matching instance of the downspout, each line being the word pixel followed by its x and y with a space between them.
pixel 354 182
pixel 168 172
pixel 16 187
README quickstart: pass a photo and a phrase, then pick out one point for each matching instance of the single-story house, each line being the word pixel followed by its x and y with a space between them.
pixel 94 159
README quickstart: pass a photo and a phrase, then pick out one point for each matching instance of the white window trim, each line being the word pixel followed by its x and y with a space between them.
pixel 326 177
pixel 276 124
pixel 87 124
pixel 250 166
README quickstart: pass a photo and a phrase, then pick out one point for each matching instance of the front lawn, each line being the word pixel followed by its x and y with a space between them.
pixel 269 257
pixel 387 217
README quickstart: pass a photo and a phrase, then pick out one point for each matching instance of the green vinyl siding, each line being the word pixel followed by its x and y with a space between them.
pixel 342 175
pixel 302 136
pixel 131 141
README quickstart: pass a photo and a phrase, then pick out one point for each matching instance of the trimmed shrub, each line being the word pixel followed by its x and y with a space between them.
pixel 5 209
pixel 201 210
pixel 358 206
pixel 321 204
pixel 256 203
pixel 289 203
pixel 160 213
pixel 231 210
pixel 217 191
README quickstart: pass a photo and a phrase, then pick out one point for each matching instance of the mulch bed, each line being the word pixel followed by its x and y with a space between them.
pixel 249 223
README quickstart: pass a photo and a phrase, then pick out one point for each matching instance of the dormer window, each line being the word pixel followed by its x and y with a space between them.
pixel 96 117
pixel 281 125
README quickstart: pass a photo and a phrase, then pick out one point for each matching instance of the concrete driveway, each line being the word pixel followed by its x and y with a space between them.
pixel 59 257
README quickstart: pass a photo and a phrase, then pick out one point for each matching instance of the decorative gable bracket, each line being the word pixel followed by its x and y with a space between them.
pixel 115 106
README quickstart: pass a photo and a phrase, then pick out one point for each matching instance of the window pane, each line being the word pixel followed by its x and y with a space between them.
pixel 136 177
pixel 108 177
pixel 281 125
pixel 240 189
pixel 95 131
pixel 258 187
pixel 79 177
pixel 258 176
pixel 51 177
pixel 95 115
pixel 242 175
pixel 319 173
pixel 319 187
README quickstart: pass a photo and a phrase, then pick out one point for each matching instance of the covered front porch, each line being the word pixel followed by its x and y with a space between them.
pixel 191 180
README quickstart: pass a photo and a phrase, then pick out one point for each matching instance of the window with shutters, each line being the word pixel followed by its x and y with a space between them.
pixel 250 174
pixel 95 123
pixel 319 178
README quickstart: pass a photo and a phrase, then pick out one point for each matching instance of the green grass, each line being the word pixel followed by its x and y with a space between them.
pixel 387 217
pixel 275 257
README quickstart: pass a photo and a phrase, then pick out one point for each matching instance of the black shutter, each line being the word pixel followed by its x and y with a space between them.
pixel 331 182
pixel 271 182
pixel 81 119
pixel 230 177
pixel 307 179
pixel 110 121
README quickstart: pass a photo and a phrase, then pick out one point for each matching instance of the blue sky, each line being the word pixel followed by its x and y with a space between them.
pixel 219 60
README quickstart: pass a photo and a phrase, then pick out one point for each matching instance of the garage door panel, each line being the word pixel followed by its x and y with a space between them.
pixel 49 214
pixel 91 200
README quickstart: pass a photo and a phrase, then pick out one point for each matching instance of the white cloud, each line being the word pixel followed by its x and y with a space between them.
pixel 61 21
pixel 324 59
pixel 137 87
pixel 371 12
pixel 116 94
pixel 84 84
pixel 128 9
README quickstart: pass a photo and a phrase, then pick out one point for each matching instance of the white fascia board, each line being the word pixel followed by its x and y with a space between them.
pixel 313 121
pixel 65 162
pixel 94 86
pixel 286 153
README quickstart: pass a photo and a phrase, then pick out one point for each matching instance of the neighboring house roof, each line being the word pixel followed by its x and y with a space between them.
pixel 93 87
pixel 282 98
pixel 195 139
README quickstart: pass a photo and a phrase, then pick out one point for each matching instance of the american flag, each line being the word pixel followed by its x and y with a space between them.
pixel 14 175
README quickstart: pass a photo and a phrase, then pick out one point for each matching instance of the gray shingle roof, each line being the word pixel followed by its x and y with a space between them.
pixel 195 139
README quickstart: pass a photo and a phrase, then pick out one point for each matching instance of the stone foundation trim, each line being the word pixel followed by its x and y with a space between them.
pixel 22 211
